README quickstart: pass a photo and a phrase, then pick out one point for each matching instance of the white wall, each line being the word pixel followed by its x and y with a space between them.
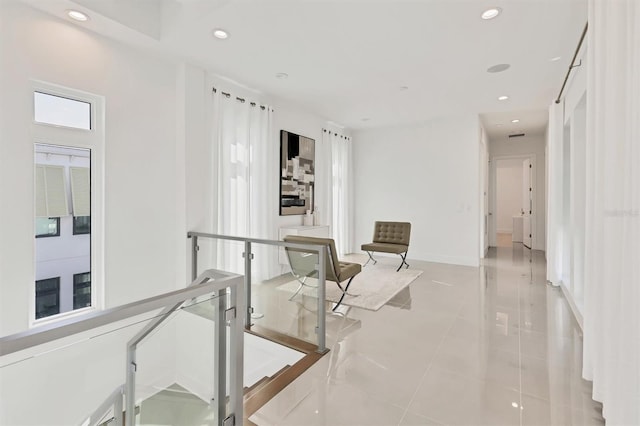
pixel 157 131
pixel 196 135
pixel 528 145
pixel 141 189
pixel 54 377
pixel 140 155
pixel 426 174
pixel 570 176
pixel 508 194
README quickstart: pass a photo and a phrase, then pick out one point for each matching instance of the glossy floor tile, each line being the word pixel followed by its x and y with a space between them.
pixel 492 345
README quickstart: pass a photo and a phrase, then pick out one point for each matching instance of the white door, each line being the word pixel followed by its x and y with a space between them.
pixel 527 203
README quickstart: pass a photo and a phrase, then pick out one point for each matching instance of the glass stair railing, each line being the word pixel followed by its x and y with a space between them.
pixel 129 363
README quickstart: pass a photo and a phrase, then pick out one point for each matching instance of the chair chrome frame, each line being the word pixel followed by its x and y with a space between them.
pixel 303 278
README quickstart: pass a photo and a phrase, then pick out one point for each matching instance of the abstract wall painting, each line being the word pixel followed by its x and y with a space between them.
pixel 297 173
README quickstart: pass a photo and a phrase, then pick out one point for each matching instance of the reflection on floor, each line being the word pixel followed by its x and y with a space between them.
pixel 490 345
pixel 503 239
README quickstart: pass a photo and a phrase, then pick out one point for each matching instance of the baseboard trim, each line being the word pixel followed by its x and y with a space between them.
pixel 427 257
pixel 572 304
pixel 451 260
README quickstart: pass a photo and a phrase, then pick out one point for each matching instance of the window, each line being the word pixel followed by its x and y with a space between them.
pixel 67 130
pixel 47 297
pixel 81 225
pixel 81 290
pixel 47 227
pixel 63 203
pixel 61 111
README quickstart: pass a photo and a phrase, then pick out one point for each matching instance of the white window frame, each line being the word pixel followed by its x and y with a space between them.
pixel 93 139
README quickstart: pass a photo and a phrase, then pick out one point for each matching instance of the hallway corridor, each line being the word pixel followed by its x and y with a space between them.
pixel 492 345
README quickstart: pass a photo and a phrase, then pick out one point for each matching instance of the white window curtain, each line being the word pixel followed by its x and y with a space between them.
pixel 612 246
pixel 554 194
pixel 244 187
pixel 323 203
pixel 336 174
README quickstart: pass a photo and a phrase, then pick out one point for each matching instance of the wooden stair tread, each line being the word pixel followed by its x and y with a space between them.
pixel 256 387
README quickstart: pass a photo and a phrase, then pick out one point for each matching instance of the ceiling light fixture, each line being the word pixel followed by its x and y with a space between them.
pixel 555 58
pixel 220 34
pixel 491 13
pixel 282 75
pixel 515 120
pixel 77 16
pixel 503 98
pixel 498 68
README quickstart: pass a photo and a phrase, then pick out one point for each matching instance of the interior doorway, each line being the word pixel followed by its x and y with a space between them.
pixel 512 215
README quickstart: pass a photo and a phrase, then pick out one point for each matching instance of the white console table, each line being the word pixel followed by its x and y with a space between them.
pixel 307 231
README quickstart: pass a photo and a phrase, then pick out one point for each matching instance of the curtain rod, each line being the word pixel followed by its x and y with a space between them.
pixel 336 134
pixel 242 100
pixel 573 61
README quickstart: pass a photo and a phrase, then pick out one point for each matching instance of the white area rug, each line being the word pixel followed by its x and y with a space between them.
pixel 374 287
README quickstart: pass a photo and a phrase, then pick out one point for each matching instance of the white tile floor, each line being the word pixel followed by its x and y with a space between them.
pixel 467 346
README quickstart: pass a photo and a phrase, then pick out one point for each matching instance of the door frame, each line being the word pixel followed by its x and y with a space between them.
pixel 493 199
pixel 484 195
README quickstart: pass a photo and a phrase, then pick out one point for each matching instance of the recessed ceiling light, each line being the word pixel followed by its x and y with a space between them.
pixel 282 75
pixel 221 34
pixel 503 98
pixel 78 16
pixel 498 68
pixel 555 58
pixel 515 120
pixel 499 125
pixel 491 13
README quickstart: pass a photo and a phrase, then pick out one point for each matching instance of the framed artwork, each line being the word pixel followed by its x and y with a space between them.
pixel 297 173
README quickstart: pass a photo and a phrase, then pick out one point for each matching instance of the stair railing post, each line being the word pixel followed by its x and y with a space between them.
pixel 194 257
pixel 220 358
pixel 321 326
pixel 117 410
pixel 248 257
pixel 130 389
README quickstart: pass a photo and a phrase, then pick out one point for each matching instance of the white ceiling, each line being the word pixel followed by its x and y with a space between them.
pixel 347 59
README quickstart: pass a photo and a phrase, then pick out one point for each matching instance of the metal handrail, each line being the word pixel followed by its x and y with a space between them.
pixel 248 256
pixel 210 281
pixel 146 331
pixel 110 403
pixel 64 328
